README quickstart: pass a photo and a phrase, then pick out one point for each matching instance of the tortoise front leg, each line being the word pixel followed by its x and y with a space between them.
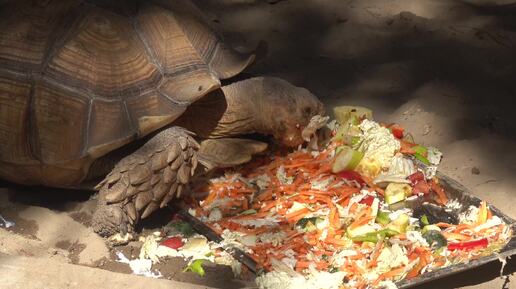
pixel 145 181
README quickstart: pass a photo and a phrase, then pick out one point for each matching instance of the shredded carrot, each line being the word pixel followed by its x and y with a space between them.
pixel 390 274
pixel 456 236
pixel 297 214
pixel 434 185
pixel 327 202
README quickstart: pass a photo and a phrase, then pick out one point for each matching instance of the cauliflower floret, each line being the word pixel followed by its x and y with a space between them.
pixel 391 258
pixel 469 216
pixel 378 145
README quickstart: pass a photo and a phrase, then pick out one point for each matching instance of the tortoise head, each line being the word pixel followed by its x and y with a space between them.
pixel 287 110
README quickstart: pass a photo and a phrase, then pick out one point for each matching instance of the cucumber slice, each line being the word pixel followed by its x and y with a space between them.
pixel 347 159
pixel 430 228
pixel 400 224
pixel 383 218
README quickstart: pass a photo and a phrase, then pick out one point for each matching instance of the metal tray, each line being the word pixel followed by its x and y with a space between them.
pixel 453 189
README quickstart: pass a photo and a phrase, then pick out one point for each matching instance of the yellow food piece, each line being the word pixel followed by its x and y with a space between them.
pixel 369 167
pixel 396 192
pixel 343 114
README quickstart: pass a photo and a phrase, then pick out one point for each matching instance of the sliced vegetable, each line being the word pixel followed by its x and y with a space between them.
pixel 196 267
pixel 354 140
pixel 482 213
pixel 173 243
pixel 435 239
pixel 308 224
pixel 348 235
pixel 369 167
pixel 421 153
pixel 441 194
pixel 367 200
pixel 352 176
pixel 383 218
pixel 375 236
pixel 248 212
pixel 431 228
pixel 424 220
pixel 351 114
pixel 469 245
pixel 422 159
pixel 397 131
pixel 347 159
pixel 416 177
pixel 421 187
pixel 421 150
pixel 396 192
pixel 399 224
pixel 360 230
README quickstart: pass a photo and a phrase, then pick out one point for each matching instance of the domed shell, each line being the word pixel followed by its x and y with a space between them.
pixel 79 79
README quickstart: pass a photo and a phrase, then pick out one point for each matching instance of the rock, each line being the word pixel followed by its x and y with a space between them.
pixel 475 171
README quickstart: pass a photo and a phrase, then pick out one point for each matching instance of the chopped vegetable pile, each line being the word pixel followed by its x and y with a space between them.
pixel 358 213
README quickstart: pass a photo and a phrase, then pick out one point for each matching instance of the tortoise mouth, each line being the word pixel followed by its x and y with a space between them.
pixel 291 136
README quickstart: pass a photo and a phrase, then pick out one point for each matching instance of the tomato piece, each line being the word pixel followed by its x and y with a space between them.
pixel 397 131
pixel 352 176
pixel 173 243
pixel 421 187
pixel 367 200
pixel 416 177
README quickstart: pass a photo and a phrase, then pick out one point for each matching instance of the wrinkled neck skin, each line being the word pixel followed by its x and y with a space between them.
pixel 242 114
pixel 263 105
pixel 230 111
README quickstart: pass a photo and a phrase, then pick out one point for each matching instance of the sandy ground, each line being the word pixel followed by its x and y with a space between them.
pixel 445 70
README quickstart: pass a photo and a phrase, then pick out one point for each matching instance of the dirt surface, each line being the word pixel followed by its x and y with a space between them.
pixel 445 70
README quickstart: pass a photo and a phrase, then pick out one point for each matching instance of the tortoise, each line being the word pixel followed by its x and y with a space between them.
pixel 130 91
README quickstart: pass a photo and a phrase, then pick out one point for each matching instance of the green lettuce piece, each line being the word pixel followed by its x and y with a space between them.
pixel 196 267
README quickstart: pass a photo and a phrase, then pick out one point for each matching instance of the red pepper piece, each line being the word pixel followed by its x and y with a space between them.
pixel 469 245
pixel 352 176
pixel 174 243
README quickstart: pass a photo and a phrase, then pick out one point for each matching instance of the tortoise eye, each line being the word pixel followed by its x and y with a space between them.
pixel 307 111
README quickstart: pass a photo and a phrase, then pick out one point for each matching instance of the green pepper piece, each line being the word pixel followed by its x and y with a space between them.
pixel 422 159
pixel 420 150
pixel 424 220
pixel 376 236
pixel 248 212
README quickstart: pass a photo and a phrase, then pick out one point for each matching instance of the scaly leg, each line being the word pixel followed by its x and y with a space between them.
pixel 145 181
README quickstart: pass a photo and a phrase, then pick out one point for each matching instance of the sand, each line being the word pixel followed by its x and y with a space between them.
pixel 445 70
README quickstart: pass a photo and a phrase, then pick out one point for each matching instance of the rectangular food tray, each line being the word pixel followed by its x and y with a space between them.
pixel 453 189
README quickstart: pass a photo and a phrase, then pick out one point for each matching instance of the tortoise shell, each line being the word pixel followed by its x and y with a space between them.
pixel 79 79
